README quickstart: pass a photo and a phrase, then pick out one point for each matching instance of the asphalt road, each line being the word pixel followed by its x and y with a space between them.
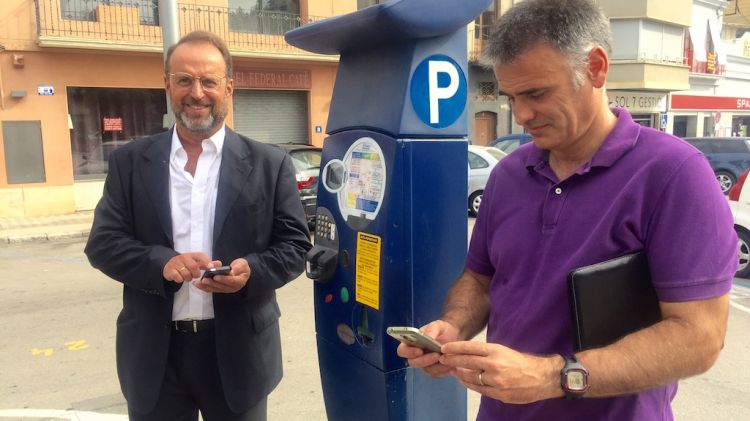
pixel 57 321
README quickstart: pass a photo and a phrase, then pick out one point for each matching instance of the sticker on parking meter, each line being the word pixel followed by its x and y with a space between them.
pixel 438 91
pixel 364 183
pixel 367 279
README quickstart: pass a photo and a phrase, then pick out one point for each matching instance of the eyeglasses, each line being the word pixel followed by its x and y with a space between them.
pixel 210 83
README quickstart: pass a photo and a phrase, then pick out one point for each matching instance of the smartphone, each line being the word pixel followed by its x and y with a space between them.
pixel 412 336
pixel 221 270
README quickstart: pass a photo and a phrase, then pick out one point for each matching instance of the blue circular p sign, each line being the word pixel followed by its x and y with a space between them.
pixel 438 91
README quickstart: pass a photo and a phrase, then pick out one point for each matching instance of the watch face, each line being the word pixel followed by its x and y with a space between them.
pixel 576 380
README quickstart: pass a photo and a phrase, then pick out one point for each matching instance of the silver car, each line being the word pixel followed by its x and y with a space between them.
pixel 481 161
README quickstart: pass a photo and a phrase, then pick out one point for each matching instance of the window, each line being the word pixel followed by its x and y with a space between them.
pixel 304 160
pixel 701 144
pixel 148 10
pixel 730 146
pixel 273 17
pixel 488 89
pixel 476 161
pixel 483 23
pixel 361 4
pixel 104 119
pixel 495 153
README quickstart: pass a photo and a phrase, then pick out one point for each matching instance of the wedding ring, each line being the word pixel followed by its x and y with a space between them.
pixel 481 383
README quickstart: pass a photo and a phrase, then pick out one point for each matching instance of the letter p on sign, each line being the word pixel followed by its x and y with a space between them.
pixel 438 91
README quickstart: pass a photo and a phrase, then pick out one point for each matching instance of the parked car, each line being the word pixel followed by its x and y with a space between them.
pixel 739 203
pixel 510 142
pixel 728 156
pixel 306 161
pixel 481 161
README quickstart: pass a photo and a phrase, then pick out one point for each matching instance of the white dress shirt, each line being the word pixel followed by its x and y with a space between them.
pixel 193 205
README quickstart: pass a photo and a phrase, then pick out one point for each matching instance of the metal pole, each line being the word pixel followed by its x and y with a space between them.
pixel 170 30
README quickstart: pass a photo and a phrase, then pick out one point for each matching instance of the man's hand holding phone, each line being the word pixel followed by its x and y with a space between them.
pixel 442 332
pixel 413 337
pixel 224 279
pixel 184 267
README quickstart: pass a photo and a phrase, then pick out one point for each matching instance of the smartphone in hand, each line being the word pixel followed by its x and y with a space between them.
pixel 211 272
pixel 412 336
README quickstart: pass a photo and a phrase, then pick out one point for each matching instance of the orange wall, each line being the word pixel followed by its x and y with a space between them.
pixel 17 24
pixel 329 7
pixel 62 69
pixel 320 101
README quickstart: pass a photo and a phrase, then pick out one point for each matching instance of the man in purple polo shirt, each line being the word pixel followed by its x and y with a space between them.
pixel 592 186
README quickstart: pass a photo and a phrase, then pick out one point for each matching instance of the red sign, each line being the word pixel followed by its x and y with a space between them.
pixel 112 124
pixel 272 79
pixel 696 102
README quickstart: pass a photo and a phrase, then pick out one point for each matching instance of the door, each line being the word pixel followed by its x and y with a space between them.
pixel 485 128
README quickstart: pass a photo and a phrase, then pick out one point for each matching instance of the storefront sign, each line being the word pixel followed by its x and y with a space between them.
pixel 272 79
pixel 638 102
pixel 696 102
pixel 112 124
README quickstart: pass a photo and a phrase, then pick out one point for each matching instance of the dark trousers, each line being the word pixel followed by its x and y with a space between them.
pixel 192 384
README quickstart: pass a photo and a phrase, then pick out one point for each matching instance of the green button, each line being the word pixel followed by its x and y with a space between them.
pixel 344 295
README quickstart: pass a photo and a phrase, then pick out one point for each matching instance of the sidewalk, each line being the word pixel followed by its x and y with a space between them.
pixel 44 228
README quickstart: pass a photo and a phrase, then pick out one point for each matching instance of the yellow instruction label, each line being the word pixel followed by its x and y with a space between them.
pixel 368 270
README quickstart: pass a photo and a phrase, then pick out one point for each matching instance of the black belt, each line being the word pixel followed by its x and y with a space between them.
pixel 193 326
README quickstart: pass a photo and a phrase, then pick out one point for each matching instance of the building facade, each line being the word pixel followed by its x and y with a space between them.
pixel 647 64
pixel 682 66
pixel 718 100
pixel 79 78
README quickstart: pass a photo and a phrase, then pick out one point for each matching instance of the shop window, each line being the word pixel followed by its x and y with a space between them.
pixel 740 125
pixel 685 126
pixel 148 10
pixel 708 126
pixel 103 119
pixel 273 17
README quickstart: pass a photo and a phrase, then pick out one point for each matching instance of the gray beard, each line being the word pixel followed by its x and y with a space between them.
pixel 199 127
pixel 202 126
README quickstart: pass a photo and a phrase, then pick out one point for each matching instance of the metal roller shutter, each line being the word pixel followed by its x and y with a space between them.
pixel 271 116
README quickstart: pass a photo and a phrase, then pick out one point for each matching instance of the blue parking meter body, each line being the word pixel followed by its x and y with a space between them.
pixel 391 226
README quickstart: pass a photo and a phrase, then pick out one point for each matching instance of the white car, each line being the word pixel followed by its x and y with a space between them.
pixel 739 203
pixel 481 161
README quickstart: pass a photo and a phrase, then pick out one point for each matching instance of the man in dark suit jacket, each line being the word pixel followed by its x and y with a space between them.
pixel 174 204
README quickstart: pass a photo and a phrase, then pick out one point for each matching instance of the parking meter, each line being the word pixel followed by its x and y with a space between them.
pixel 391 226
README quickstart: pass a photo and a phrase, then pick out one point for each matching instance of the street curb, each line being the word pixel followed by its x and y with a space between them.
pixel 27 238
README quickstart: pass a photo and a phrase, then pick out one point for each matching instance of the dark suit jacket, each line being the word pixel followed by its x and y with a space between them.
pixel 259 217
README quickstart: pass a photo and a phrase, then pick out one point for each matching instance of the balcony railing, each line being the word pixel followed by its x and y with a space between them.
pixel 477 38
pixel 135 22
pixel 709 67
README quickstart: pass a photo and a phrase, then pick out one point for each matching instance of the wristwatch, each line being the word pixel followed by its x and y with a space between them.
pixel 574 378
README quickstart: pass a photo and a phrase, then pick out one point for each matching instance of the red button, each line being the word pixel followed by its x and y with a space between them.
pixel 329 298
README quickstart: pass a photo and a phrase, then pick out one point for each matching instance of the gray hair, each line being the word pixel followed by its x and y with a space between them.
pixel 573 27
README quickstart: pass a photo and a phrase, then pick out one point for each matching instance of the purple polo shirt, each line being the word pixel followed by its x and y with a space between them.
pixel 642 190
